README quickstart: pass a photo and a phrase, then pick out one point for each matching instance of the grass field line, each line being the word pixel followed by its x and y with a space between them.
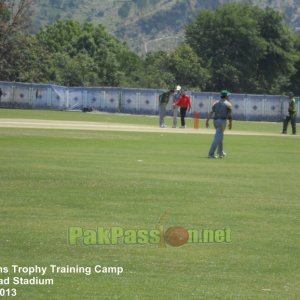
pixel 101 126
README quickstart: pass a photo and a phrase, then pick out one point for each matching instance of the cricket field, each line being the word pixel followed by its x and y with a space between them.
pixel 86 201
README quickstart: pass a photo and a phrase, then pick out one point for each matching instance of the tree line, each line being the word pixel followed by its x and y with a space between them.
pixel 238 47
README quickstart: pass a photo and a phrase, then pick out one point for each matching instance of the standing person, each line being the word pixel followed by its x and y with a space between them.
pixel 221 111
pixel 176 98
pixel 1 93
pixel 291 115
pixel 184 103
pixel 163 100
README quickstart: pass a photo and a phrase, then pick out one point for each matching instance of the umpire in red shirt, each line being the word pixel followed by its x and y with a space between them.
pixel 184 103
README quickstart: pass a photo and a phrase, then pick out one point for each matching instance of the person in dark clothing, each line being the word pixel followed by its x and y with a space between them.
pixel 163 100
pixel 291 117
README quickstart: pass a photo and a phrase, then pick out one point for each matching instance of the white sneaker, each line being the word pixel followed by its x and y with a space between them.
pixel 212 156
pixel 223 155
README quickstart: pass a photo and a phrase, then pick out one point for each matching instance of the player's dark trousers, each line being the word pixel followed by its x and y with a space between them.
pixel 182 115
pixel 286 121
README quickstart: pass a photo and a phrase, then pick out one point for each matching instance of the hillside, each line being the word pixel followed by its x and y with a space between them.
pixel 146 25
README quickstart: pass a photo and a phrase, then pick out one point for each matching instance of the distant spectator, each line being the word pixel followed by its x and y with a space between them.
pixel 1 93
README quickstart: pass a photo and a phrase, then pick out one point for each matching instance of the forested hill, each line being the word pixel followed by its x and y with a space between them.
pixel 146 25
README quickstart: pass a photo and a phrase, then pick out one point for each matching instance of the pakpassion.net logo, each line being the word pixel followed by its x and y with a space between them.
pixel 174 236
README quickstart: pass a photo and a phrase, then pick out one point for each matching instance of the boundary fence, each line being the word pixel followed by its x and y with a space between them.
pixel 247 107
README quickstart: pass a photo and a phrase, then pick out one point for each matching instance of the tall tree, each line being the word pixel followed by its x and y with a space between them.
pixel 294 84
pixel 247 49
pixel 14 20
pixel 105 60
pixel 155 72
pixel 187 67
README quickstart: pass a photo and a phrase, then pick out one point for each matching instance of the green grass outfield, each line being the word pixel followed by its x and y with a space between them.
pixel 54 179
pixel 124 119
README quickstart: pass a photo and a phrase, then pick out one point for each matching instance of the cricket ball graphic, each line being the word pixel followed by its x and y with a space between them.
pixel 176 236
